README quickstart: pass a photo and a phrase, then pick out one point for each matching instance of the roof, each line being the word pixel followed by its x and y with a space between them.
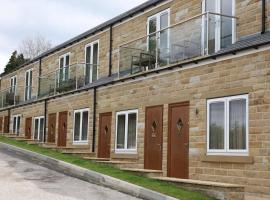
pixel 247 42
pixel 92 31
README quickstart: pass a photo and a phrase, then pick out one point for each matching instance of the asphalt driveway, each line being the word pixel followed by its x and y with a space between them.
pixel 23 180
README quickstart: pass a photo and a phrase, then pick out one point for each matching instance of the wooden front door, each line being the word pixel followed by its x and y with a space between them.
pixel 178 140
pixel 104 140
pixel 153 138
pixel 62 129
pixel 51 127
pixel 6 124
pixel 1 124
pixel 28 127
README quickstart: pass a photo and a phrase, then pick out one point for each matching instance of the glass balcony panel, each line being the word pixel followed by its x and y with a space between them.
pixel 199 36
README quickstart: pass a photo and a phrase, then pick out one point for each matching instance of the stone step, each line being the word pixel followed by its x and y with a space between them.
pixel 34 142
pixel 96 159
pixel 24 139
pixel 49 145
pixel 145 172
pixel 119 164
pixel 217 190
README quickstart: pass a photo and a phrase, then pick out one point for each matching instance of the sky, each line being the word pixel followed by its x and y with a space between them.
pixel 56 20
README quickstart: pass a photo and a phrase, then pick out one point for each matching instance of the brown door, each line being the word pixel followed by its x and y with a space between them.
pixel 104 141
pixel 51 127
pixel 28 127
pixel 62 129
pixel 1 124
pixel 178 140
pixel 6 124
pixel 153 138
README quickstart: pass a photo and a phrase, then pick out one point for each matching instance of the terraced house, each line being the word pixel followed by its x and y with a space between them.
pixel 176 87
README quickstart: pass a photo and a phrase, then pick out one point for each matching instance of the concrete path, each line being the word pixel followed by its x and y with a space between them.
pixel 21 180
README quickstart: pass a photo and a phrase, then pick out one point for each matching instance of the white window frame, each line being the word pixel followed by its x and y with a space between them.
pixel 12 84
pixel 126 150
pixel 39 119
pixel 13 121
pixel 158 16
pixel 80 141
pixel 91 60
pixel 29 91
pixel 226 150
pixel 64 56
pixel 218 28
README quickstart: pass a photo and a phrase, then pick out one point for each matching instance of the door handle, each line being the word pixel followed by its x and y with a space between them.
pixel 160 146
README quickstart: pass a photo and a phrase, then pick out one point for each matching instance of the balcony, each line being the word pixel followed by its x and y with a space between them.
pixel 67 79
pixel 16 95
pixel 199 36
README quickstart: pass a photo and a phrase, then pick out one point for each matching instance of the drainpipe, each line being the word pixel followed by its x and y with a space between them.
pixel 110 52
pixel 263 15
pixel 45 121
pixel 9 121
pixel 94 119
pixel 39 73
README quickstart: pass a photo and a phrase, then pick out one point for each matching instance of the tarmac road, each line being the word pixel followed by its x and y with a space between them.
pixel 24 180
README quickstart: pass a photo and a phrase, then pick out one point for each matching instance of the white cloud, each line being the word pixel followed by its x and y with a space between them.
pixel 57 20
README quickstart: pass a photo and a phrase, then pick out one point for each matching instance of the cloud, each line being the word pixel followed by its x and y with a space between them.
pixel 56 20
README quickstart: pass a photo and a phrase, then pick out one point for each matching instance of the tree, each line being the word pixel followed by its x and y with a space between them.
pixel 15 60
pixel 32 47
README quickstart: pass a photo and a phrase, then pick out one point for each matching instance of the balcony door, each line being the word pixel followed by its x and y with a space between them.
pixel 13 83
pixel 91 62
pixel 158 39
pixel 63 68
pixel 221 31
pixel 28 84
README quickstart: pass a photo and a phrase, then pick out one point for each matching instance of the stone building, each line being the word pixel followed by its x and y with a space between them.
pixel 177 86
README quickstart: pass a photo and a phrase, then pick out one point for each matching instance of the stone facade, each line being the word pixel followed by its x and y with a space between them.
pixel 246 73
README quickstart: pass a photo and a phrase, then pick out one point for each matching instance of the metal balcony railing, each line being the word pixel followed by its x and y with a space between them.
pixel 67 79
pixel 16 95
pixel 200 35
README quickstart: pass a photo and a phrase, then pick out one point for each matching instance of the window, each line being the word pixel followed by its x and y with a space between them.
pixel 91 60
pixel 126 131
pixel 16 124
pixel 38 128
pixel 158 43
pixel 227 125
pixel 64 62
pixel 28 84
pixel 221 28
pixel 80 129
pixel 13 83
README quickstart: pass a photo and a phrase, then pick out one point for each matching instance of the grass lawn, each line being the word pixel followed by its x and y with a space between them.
pixel 159 186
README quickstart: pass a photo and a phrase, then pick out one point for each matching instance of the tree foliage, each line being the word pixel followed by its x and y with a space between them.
pixel 15 61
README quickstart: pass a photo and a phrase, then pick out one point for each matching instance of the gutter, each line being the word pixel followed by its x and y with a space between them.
pixel 39 73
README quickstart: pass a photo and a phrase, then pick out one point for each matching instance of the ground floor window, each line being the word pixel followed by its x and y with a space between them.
pixel 80 128
pixel 227 125
pixel 126 131
pixel 16 124
pixel 38 128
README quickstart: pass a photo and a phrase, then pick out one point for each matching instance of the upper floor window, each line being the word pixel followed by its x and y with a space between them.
pixel 126 131
pixel 64 62
pixel 80 128
pixel 13 83
pixel 28 84
pixel 158 39
pixel 91 60
pixel 227 125
pixel 221 31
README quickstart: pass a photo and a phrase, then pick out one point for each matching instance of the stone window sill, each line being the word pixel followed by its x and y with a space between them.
pixel 228 159
pixel 124 156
